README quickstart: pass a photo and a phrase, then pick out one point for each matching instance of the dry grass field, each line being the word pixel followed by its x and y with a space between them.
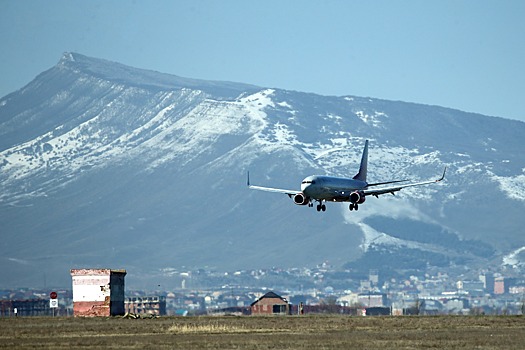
pixel 305 332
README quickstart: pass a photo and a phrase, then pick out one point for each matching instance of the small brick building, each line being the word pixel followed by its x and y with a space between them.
pixel 270 304
pixel 98 292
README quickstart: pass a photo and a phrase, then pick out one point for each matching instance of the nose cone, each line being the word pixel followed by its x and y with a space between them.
pixel 306 184
pixel 304 187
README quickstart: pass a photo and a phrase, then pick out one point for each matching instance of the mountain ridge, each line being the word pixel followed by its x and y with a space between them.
pixel 143 77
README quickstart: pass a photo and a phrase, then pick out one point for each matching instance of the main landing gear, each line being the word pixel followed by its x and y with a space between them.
pixel 320 207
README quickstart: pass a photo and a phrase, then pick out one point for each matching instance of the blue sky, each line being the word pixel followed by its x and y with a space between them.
pixel 464 54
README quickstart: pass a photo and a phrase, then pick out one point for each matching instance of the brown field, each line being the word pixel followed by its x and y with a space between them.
pixel 230 332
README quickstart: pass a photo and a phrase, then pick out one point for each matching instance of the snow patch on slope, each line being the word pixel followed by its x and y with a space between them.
pixel 195 132
pixel 372 237
pixel 374 120
pixel 159 134
pixel 513 259
pixel 390 207
pixel 512 186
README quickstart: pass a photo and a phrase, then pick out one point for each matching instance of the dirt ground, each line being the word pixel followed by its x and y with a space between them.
pixel 293 332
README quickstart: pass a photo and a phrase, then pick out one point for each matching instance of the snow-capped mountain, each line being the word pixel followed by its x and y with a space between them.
pixel 104 165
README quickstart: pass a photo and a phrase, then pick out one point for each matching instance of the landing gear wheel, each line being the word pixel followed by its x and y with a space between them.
pixel 318 207
pixel 323 207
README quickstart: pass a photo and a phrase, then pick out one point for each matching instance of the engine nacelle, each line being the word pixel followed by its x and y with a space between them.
pixel 301 199
pixel 357 197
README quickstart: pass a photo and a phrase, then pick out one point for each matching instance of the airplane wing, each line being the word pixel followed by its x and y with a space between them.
pixel 392 189
pixel 271 189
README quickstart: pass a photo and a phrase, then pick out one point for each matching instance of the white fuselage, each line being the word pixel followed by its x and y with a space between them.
pixel 330 188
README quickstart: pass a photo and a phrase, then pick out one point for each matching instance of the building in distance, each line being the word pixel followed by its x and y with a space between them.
pixel 98 292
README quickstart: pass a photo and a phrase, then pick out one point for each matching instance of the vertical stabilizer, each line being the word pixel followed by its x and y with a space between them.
pixel 361 175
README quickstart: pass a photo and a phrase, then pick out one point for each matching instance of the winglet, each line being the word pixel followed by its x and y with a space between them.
pixel 248 182
pixel 443 176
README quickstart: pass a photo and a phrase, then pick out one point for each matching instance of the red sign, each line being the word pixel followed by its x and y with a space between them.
pixel 53 295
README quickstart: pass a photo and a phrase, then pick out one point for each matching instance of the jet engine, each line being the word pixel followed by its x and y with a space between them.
pixel 301 199
pixel 357 197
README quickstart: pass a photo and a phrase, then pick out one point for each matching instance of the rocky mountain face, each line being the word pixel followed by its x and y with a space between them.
pixel 104 165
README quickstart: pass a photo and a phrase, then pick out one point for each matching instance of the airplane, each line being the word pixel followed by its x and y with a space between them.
pixel 323 189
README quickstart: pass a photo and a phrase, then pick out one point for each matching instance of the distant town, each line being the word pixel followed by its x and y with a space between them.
pixel 323 289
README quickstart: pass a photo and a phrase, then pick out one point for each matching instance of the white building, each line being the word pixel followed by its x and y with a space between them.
pixel 98 292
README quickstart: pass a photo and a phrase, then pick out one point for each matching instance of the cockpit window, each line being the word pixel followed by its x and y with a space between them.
pixel 308 182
